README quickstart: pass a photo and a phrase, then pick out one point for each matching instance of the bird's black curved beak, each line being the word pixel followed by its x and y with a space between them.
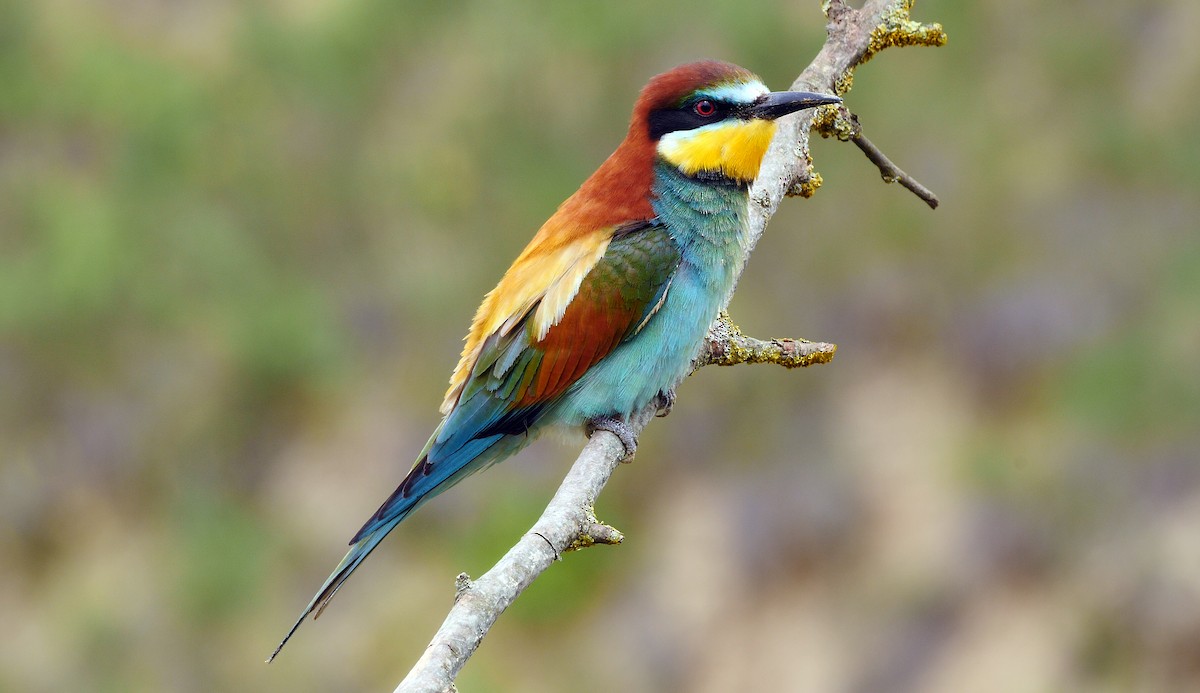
pixel 780 103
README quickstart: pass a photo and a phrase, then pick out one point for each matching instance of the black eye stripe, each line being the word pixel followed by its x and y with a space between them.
pixel 684 117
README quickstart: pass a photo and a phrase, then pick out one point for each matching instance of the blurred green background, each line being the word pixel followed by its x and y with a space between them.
pixel 240 244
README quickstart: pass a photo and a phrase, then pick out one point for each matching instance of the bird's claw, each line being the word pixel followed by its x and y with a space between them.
pixel 618 428
pixel 665 401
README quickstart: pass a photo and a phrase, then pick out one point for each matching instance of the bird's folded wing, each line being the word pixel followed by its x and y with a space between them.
pixel 552 336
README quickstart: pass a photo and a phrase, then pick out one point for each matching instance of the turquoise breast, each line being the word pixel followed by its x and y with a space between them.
pixel 707 220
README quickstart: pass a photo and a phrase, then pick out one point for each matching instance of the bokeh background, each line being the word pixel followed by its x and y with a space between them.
pixel 240 243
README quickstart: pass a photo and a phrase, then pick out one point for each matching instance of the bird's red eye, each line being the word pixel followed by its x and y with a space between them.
pixel 705 108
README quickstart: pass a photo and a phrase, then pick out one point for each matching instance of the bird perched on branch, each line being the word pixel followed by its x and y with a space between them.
pixel 606 307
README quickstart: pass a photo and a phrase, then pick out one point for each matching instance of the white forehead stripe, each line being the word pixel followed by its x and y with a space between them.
pixel 737 92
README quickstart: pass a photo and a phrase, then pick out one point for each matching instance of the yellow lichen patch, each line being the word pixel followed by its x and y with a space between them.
pixel 807 188
pixel 733 148
pixel 897 28
pixel 830 122
pixel 843 84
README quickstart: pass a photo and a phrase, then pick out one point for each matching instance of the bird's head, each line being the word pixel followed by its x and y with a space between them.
pixel 715 120
pixel 710 120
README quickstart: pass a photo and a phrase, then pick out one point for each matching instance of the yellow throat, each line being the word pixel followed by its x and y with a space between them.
pixel 733 148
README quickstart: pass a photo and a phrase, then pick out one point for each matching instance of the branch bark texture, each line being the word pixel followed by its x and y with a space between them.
pixel 569 521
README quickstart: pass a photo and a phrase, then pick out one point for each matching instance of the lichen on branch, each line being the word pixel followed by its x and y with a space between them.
pixel 728 346
pixel 898 28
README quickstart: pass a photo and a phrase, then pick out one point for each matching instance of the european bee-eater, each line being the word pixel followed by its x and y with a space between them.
pixel 609 303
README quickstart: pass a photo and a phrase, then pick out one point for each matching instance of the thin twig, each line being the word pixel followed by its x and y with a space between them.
pixel 837 121
pixel 892 173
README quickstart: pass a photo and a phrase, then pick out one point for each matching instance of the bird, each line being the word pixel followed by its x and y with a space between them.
pixel 604 310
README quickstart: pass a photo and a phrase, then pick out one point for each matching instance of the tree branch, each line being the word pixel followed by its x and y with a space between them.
pixel 569 521
pixel 727 346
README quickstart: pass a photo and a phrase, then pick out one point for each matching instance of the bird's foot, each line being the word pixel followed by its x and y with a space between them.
pixel 618 428
pixel 665 401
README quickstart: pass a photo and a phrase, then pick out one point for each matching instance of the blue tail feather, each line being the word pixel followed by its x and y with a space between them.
pixel 454 458
pixel 356 555
pixel 426 480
